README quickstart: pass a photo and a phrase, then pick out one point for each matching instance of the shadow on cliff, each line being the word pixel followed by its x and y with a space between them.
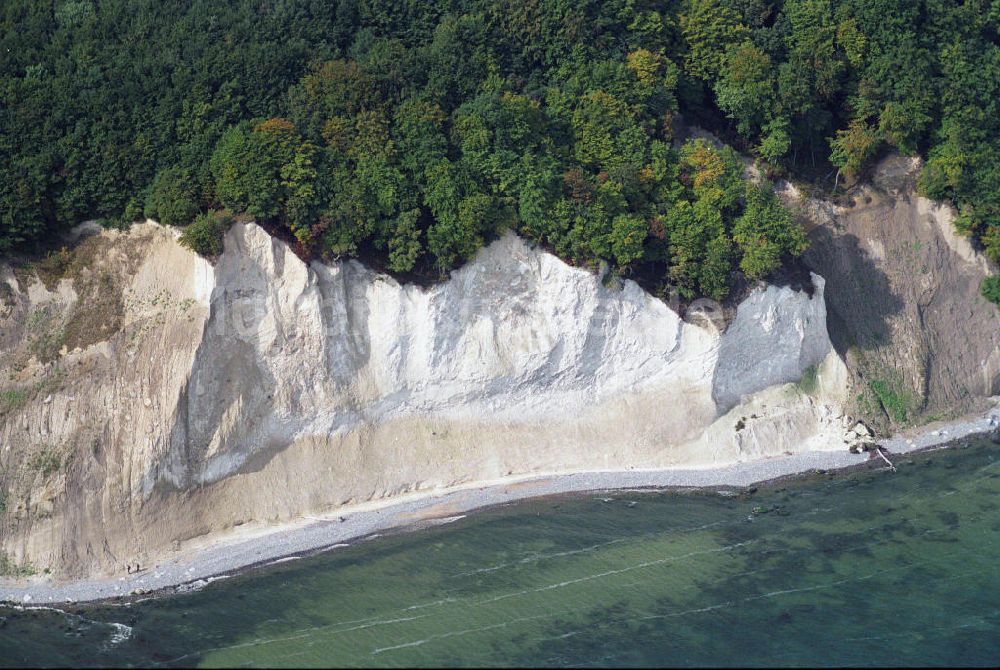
pixel 859 296
pixel 230 397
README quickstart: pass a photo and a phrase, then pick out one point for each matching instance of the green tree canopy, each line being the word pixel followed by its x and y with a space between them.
pixel 412 133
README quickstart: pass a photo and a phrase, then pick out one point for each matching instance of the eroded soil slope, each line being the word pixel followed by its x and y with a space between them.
pixel 903 299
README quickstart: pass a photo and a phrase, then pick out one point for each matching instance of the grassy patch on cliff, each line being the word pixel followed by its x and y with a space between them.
pixel 45 333
pixel 100 317
pixel 7 297
pixel 11 400
pixel 99 311
pixel 10 568
pixel 883 396
pixel 809 381
pixel 94 268
pixel 886 395
pixel 45 462
pixel 895 402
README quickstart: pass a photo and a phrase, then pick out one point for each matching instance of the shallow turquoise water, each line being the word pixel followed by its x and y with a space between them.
pixel 872 568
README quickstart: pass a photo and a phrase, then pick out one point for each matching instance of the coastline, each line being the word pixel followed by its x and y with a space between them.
pixel 257 545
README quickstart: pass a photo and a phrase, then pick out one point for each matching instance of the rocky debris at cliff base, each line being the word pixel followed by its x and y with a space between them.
pixel 860 438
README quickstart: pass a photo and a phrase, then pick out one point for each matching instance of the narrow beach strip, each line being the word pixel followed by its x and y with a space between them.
pixel 258 544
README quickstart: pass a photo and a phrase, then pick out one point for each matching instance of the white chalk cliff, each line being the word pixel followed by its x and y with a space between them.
pixel 263 388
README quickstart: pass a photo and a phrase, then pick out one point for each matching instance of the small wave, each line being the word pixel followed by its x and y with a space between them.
pixel 190 587
pixel 286 559
pixel 31 608
pixel 121 634
pixel 199 584
pixel 119 631
pixel 443 601
pixel 449 519
pixel 441 636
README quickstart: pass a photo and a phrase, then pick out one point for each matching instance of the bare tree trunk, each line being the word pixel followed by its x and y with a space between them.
pixel 878 450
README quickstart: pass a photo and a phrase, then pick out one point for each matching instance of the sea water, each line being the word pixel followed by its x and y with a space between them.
pixel 866 568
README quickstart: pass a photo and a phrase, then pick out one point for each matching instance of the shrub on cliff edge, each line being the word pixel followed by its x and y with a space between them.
pixel 991 289
pixel 204 236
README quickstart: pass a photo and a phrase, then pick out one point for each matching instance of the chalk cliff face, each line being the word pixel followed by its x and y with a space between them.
pixel 150 400
pixel 155 399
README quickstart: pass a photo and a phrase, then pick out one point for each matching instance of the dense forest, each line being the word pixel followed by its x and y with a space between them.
pixel 410 132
